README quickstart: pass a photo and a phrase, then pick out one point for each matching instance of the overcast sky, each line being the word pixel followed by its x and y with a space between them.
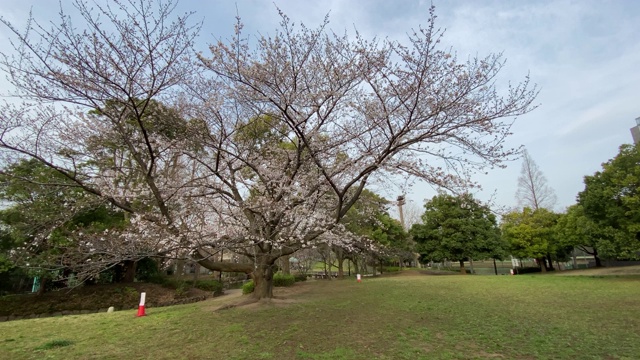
pixel 584 56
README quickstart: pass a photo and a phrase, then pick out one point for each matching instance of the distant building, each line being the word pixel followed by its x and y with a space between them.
pixel 635 131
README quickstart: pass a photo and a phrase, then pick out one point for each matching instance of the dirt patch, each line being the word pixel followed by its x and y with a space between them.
pixel 95 298
pixel 605 271
pixel 283 296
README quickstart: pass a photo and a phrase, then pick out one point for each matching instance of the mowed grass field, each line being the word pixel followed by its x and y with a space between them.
pixel 406 316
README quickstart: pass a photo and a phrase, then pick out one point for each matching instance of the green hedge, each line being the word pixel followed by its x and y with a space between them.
pixel 206 285
pixel 248 287
pixel 281 280
pixel 300 277
pixel 209 285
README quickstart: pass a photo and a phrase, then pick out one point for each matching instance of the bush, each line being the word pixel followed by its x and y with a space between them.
pixel 147 270
pixel 209 285
pixel 182 286
pixel 248 287
pixel 280 280
pixel 182 290
pixel 300 277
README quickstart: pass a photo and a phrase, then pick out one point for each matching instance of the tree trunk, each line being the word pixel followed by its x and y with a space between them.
pixel 263 278
pixel 340 267
pixel 597 258
pixel 179 268
pixel 550 262
pixel 284 265
pixel 462 269
pixel 129 271
pixel 43 285
pixel 471 266
pixel 495 267
pixel 541 262
pixel 196 273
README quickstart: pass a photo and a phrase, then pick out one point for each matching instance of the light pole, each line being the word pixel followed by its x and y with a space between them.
pixel 401 202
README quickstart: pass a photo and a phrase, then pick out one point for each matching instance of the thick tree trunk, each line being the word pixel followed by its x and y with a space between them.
pixel 462 269
pixel 340 267
pixel 541 262
pixel 129 271
pixel 43 285
pixel 284 265
pixel 550 262
pixel 262 277
pixel 495 267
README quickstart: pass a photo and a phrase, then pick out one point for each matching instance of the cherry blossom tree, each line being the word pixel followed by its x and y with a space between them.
pixel 258 147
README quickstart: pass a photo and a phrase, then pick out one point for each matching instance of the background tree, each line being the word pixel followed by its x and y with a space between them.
pixel 575 229
pixel 456 228
pixel 610 200
pixel 43 222
pixel 350 111
pixel 533 190
pixel 370 220
pixel 530 234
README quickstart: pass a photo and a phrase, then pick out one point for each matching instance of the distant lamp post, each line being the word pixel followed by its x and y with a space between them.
pixel 635 131
pixel 400 202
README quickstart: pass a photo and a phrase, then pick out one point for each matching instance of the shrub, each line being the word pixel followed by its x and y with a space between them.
pixel 390 268
pixel 182 290
pixel 147 270
pixel 158 278
pixel 300 277
pixel 248 287
pixel 209 285
pixel 173 282
pixel 283 280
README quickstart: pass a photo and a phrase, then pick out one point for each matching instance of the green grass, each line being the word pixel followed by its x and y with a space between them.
pixel 399 317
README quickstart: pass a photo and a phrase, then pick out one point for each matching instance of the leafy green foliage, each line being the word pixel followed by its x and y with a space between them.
pixel 300 277
pixel 368 217
pixel 283 280
pixel 44 209
pixel 248 287
pixel 213 286
pixel 457 228
pixel 611 200
pixel 575 229
pixel 530 233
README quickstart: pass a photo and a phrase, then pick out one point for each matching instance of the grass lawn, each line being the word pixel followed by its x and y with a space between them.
pixel 396 317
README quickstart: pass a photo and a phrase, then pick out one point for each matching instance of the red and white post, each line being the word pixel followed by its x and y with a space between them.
pixel 141 306
pixel 359 277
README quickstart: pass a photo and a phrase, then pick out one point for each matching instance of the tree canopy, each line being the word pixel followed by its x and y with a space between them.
pixel 610 200
pixel 351 110
pixel 457 228
pixel 531 234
